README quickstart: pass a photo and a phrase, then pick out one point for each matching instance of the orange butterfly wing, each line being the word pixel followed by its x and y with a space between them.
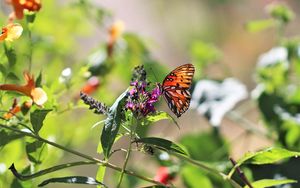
pixel 175 88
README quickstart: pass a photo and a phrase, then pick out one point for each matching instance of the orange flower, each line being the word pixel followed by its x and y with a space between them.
pixel 115 31
pixel 37 94
pixel 21 5
pixel 11 32
pixel 15 108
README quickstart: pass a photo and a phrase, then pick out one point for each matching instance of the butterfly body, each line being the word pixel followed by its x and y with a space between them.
pixel 175 88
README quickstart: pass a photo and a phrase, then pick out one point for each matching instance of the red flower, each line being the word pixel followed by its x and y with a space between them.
pixel 91 86
pixel 163 175
pixel 37 94
pixel 21 5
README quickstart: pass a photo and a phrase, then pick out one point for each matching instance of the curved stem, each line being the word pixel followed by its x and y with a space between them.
pixel 104 163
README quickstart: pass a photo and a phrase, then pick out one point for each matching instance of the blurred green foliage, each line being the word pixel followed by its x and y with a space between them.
pixel 58 37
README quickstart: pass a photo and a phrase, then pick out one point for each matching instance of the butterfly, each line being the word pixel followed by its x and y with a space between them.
pixel 175 88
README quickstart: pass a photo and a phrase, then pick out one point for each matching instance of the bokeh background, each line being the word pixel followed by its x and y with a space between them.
pixel 68 32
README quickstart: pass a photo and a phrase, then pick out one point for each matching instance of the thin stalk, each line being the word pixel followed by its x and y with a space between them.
pixel 132 132
pixel 104 163
pixel 30 50
pixel 241 173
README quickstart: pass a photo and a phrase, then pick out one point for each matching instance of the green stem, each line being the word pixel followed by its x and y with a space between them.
pixel 104 163
pixel 232 170
pixel 132 132
pixel 208 169
pixel 48 170
pixel 30 50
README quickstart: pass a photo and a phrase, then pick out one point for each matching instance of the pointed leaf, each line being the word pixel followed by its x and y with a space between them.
pixel 7 137
pixel 12 76
pixel 270 183
pixel 157 116
pixel 112 125
pixel 37 118
pixel 36 151
pixel 162 144
pixel 267 156
pixel 72 180
pixel 38 80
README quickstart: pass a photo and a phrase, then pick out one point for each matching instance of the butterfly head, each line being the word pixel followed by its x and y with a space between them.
pixel 159 86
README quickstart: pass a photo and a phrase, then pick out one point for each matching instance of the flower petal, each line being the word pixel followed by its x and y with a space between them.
pixel 14 31
pixel 39 96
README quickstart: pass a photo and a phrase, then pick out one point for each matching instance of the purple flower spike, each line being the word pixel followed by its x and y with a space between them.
pixel 132 91
pixel 135 83
pixel 141 101
pixel 130 105
pixel 156 92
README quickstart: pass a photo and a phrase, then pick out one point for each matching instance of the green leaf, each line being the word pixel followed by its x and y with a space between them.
pixel 3 69
pixel 162 144
pixel 157 116
pixel 37 118
pixel 267 156
pixel 72 180
pixel 100 174
pixel 38 80
pixel 12 76
pixel 7 137
pixel 99 147
pixel 193 177
pixel 10 54
pixel 259 25
pixel 112 125
pixel 270 182
pixel 36 151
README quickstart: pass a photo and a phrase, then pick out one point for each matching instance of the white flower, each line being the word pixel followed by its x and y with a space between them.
pixel 65 75
pixel 273 56
pixel 164 156
pixel 214 99
pixel 97 58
